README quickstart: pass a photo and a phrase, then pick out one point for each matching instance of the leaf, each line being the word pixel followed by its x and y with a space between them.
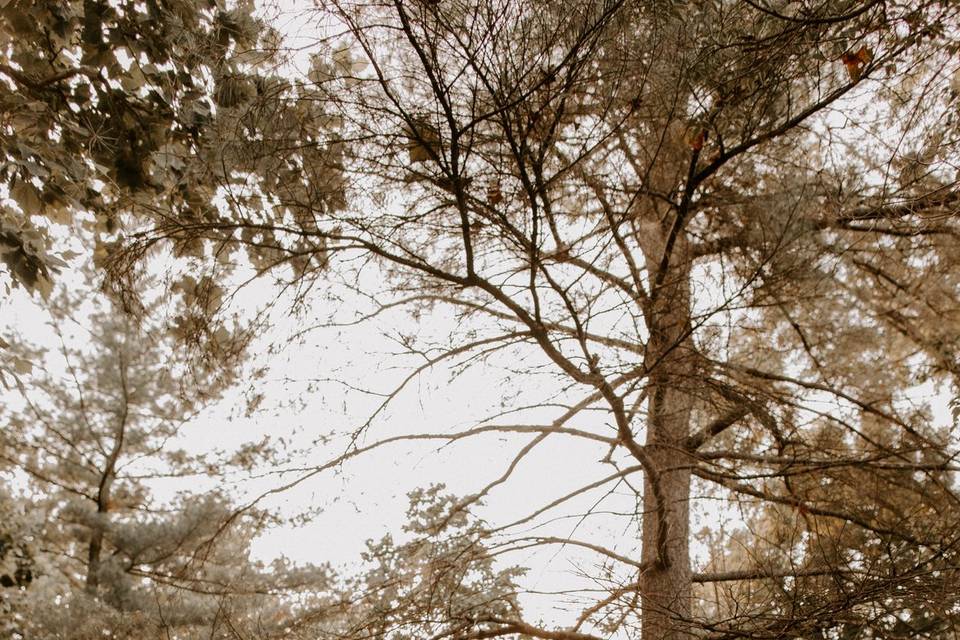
pixel 43 286
pixel 697 139
pixel 27 196
pixel 59 212
pixel 102 253
pixel 222 338
pixel 854 62
pixel 36 170
pixel 494 194
pixel 22 366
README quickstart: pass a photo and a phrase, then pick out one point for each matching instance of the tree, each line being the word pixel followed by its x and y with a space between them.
pixel 97 425
pixel 108 110
pixel 113 110
pixel 85 435
pixel 693 214
pixel 424 586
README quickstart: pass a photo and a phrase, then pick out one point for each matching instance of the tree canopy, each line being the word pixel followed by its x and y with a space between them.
pixel 714 243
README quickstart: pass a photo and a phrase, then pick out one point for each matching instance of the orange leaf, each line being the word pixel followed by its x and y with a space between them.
pixel 854 62
pixel 698 139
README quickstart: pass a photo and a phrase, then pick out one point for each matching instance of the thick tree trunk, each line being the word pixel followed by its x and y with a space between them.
pixel 93 561
pixel 95 548
pixel 666 590
pixel 666 583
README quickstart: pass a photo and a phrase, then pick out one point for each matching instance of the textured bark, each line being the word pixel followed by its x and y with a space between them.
pixel 666 582
pixel 93 561
pixel 667 579
pixel 107 476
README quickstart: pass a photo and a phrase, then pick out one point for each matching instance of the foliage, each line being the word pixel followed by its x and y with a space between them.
pixel 441 582
pixel 96 428
pixel 722 233
pixel 113 109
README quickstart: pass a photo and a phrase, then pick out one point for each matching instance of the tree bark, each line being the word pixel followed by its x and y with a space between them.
pixel 666 582
pixel 95 548
pixel 93 560
pixel 667 579
pixel 107 476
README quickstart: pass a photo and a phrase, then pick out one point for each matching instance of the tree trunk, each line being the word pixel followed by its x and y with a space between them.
pixel 107 476
pixel 95 547
pixel 666 590
pixel 93 560
pixel 666 583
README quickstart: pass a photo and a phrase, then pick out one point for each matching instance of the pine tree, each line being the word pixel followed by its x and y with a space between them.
pixel 96 425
